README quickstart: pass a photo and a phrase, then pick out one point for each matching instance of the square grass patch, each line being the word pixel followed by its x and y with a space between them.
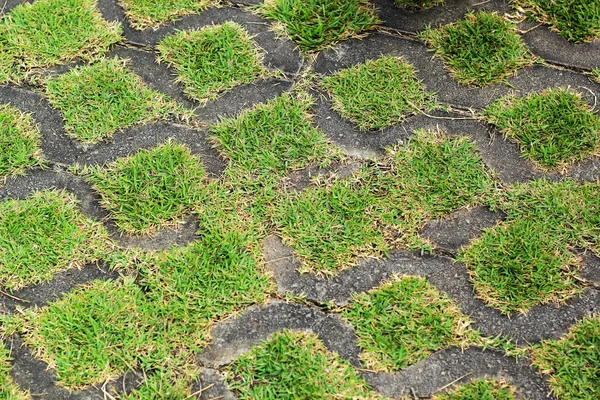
pixel 378 93
pixel 481 49
pixel 334 225
pixel 575 20
pixel 143 14
pixel 212 60
pixel 573 362
pixel 403 322
pixel 295 365
pixel 554 128
pixel 274 138
pixel 44 234
pixel 50 32
pixel 317 24
pixel 526 260
pixel 480 389
pixel 8 388
pixel 151 188
pixel 415 5
pixel 99 99
pixel 19 142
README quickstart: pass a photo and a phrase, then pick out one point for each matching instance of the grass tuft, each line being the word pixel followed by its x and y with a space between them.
pixel 8 389
pixel 573 362
pixel 526 260
pixel 317 24
pixel 150 188
pixel 100 99
pixel 481 49
pixel 212 60
pixel 575 20
pixel 295 365
pixel 417 4
pixel 50 32
pixel 44 234
pixel 480 389
pixel 19 142
pixel 378 93
pixel 553 128
pixel 144 14
pixel 335 224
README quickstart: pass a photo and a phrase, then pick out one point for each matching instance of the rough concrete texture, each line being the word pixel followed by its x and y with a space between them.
pixel 562 64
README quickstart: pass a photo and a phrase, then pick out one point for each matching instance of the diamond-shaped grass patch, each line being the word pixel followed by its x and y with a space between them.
pixel 44 234
pixel 151 188
pixel 378 93
pixel 100 99
pixel 480 389
pixel 573 362
pixel 417 4
pixel 143 14
pixel 553 128
pixel 50 32
pixel 212 60
pixel 295 365
pixel 273 138
pixel 19 142
pixel 8 389
pixel 316 24
pixel 575 20
pixel 333 225
pixel 481 49
pixel 155 323
pixel 526 260
pixel 404 321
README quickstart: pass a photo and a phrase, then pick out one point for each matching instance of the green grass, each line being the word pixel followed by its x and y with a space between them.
pixel 553 128
pixel 98 100
pixel 596 75
pixel 403 322
pixel 212 60
pixel 573 362
pixel 333 225
pixel 19 142
pixel 417 4
pixel 151 188
pixel 51 32
pixel 44 234
pixel 378 93
pixel 163 385
pixel 480 389
pixel 526 260
pixel 8 389
pixel 143 14
pixel 317 24
pixel 249 142
pixel 295 365
pixel 576 20
pixel 481 49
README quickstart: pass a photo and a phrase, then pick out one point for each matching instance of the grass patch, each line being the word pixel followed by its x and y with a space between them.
pixel 417 4
pixel 480 389
pixel 19 142
pixel 553 128
pixel 44 234
pixel 143 14
pixel 100 99
pixel 317 24
pixel 596 75
pixel 575 20
pixel 573 362
pixel 403 322
pixel 526 260
pixel 295 365
pixel 333 225
pixel 164 385
pixel 212 60
pixel 249 142
pixel 481 49
pixel 50 32
pixel 8 389
pixel 151 188
pixel 378 93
